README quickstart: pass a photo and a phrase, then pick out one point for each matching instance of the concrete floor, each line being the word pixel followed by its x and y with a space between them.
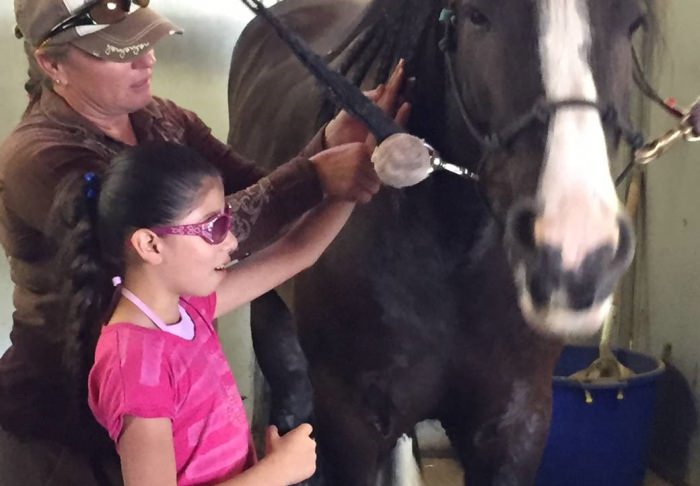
pixel 447 472
pixel 441 472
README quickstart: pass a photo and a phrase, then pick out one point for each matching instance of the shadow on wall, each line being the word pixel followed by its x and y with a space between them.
pixel 675 423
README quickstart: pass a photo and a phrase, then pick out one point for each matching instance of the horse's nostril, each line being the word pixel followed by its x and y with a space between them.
pixel 625 245
pixel 597 276
pixel 521 225
pixel 582 300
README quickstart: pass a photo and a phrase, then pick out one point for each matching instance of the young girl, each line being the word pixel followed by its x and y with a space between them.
pixel 157 226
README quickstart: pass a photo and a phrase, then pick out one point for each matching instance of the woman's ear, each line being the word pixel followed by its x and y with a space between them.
pixel 147 246
pixel 51 67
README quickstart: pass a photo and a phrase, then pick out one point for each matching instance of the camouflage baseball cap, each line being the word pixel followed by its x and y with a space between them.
pixel 108 29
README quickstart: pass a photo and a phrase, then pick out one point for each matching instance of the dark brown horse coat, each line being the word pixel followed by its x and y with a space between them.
pixel 417 310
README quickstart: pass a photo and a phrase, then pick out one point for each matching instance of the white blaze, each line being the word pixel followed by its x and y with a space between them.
pixel 575 189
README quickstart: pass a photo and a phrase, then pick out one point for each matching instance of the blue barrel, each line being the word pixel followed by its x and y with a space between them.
pixel 604 442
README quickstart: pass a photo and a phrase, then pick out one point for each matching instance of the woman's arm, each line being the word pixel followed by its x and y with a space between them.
pixel 297 250
pixel 267 206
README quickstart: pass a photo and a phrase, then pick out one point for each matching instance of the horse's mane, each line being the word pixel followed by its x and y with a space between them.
pixel 388 31
pixel 391 29
pixel 654 9
pixel 652 36
pixel 649 46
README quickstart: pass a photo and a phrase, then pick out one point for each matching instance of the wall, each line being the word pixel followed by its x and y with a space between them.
pixel 192 70
pixel 12 102
pixel 673 203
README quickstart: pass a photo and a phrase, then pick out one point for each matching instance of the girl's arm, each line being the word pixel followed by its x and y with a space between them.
pixel 297 250
pixel 289 460
pixel 148 456
pixel 147 452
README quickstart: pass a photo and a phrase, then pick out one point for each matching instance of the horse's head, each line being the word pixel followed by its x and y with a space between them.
pixel 543 88
pixel 552 78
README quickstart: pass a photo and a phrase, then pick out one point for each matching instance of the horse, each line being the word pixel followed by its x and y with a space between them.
pixel 451 299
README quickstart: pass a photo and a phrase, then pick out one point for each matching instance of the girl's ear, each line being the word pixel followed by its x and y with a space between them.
pixel 147 245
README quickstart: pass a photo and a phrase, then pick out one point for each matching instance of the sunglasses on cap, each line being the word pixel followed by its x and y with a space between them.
pixel 214 230
pixel 100 12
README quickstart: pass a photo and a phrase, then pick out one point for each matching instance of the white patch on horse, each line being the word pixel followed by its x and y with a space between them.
pixel 406 471
pixel 519 413
pixel 576 189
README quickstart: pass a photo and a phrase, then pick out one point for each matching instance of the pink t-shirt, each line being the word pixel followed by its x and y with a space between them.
pixel 150 373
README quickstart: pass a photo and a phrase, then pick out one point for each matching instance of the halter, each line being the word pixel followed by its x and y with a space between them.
pixel 351 98
pixel 542 111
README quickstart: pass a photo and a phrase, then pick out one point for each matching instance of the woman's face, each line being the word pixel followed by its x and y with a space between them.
pixel 191 262
pixel 112 88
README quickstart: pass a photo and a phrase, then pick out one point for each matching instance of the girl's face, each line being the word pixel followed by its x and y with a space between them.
pixel 191 262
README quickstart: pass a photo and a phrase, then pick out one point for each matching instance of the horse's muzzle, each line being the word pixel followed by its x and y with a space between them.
pixel 555 296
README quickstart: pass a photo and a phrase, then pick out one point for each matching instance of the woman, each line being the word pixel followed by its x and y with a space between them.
pixel 91 66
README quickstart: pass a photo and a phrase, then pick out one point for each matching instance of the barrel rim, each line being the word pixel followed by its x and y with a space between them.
pixel 637 379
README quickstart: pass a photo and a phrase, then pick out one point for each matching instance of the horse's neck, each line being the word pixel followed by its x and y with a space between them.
pixel 388 31
pixel 409 29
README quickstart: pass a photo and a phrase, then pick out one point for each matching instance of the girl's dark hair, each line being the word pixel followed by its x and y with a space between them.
pixel 148 185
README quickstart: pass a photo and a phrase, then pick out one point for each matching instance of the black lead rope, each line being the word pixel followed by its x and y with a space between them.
pixel 349 96
pixel 646 88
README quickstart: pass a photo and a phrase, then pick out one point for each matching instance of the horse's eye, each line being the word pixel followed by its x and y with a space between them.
pixel 640 21
pixel 477 18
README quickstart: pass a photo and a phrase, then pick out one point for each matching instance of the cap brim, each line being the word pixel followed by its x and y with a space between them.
pixel 128 39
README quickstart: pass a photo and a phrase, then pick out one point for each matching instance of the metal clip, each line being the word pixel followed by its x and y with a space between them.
pixel 656 148
pixel 437 163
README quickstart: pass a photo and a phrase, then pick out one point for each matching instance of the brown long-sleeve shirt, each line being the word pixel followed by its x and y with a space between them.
pixel 53 142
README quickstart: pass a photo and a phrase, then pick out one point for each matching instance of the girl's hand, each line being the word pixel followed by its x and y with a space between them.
pixel 293 454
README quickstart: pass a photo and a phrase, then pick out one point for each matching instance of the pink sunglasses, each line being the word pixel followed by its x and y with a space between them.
pixel 213 230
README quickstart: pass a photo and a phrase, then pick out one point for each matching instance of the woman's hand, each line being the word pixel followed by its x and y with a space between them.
pixel 346 172
pixel 293 454
pixel 344 128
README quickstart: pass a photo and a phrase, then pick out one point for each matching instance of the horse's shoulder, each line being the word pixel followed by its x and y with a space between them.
pixel 267 80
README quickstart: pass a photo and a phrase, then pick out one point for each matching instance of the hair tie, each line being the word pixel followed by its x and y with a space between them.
pixel 91 188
